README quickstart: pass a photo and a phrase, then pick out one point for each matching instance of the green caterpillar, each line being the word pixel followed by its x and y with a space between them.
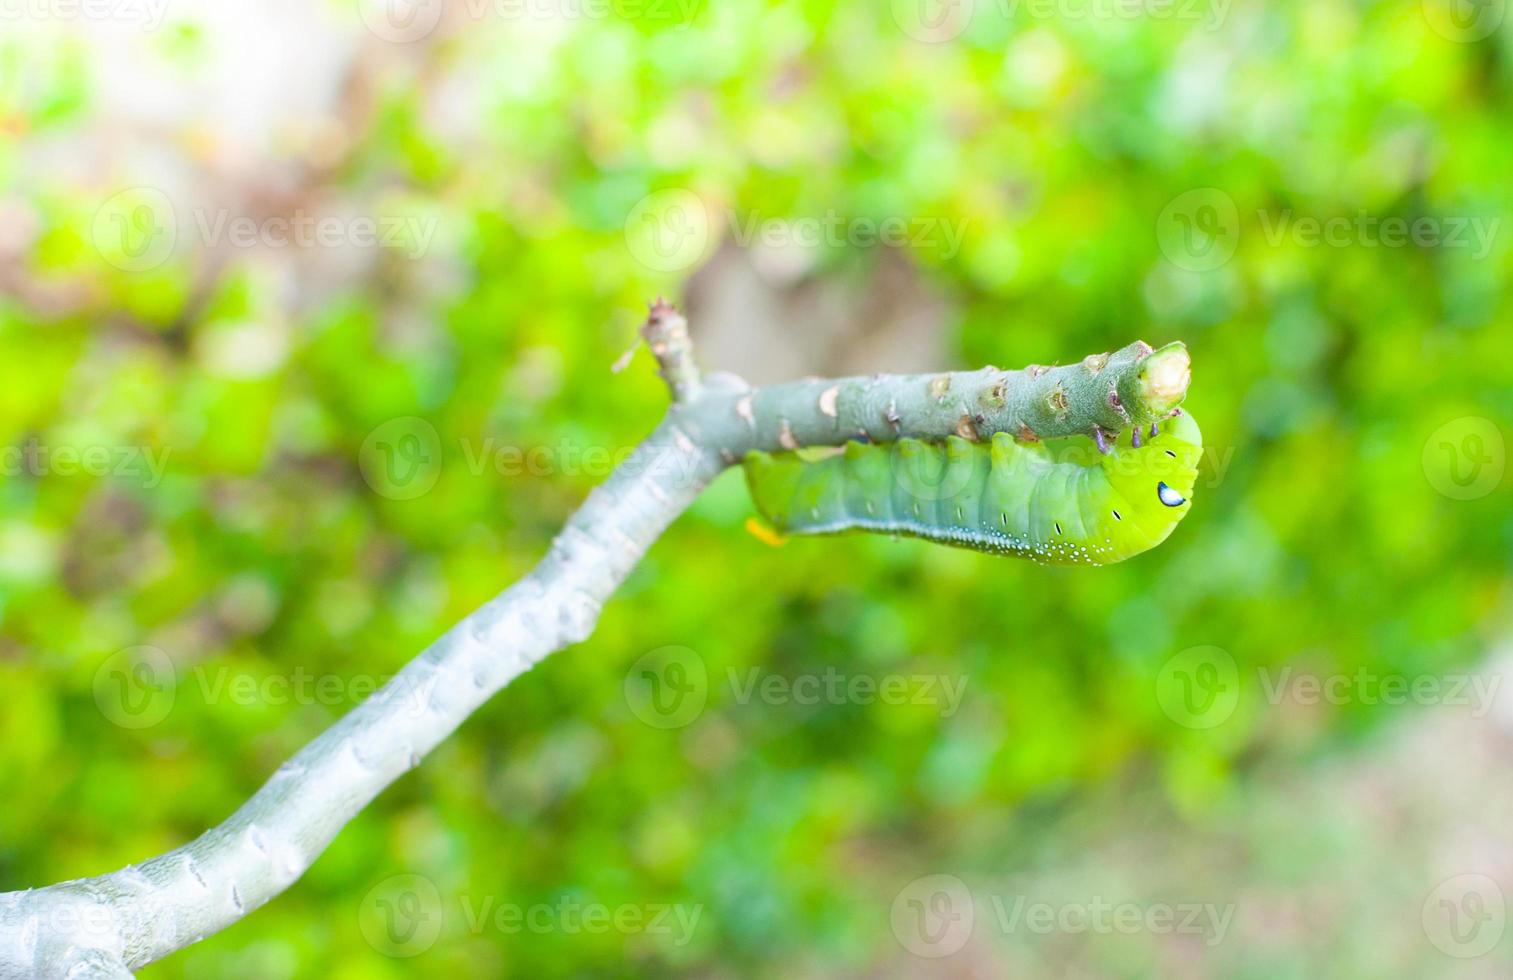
pixel 1060 501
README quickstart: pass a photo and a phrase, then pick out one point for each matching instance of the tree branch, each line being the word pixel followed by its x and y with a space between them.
pixel 666 333
pixel 103 926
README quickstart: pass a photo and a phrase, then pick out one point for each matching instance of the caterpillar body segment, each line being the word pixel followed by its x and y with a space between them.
pixel 1060 501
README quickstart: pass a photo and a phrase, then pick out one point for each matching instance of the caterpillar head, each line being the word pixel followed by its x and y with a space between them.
pixel 1156 479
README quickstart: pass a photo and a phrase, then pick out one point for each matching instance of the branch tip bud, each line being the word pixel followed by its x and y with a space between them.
pixel 1162 379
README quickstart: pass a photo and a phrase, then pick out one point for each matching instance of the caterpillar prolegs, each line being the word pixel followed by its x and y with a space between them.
pixel 1060 501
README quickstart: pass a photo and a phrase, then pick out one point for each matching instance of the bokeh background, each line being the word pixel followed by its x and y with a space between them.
pixel 307 319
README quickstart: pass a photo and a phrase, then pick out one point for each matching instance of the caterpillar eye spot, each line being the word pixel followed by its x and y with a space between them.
pixel 1116 515
pixel 1168 496
pixel 1058 527
pixel 1171 454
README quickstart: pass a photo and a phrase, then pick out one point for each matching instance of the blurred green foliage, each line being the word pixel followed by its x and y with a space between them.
pixel 1319 535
